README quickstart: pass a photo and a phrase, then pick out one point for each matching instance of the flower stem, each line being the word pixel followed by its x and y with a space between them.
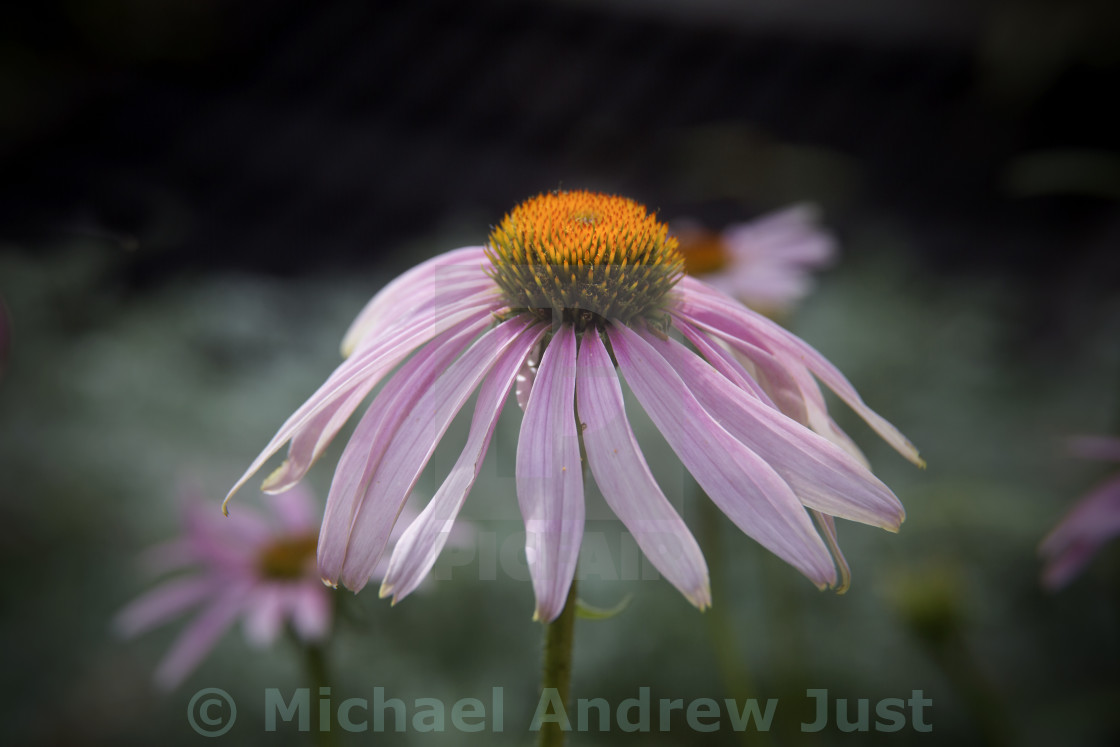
pixel 556 670
pixel 315 661
pixel 721 629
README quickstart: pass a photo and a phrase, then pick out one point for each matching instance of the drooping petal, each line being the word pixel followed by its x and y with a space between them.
pixel 625 480
pixel 421 543
pixel 706 307
pixel 406 292
pixel 162 604
pixel 312 427
pixel 798 397
pixel 201 635
pixel 823 476
pixel 828 528
pixel 741 483
pixel 765 370
pixel 366 447
pixel 412 447
pixel 723 361
pixel 550 477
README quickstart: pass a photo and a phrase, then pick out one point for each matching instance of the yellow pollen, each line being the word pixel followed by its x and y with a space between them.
pixel 584 257
pixel 288 558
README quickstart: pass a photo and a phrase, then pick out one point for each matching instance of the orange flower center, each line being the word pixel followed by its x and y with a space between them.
pixel 703 251
pixel 584 257
pixel 287 558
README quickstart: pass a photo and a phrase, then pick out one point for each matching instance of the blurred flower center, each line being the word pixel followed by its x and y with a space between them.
pixel 704 252
pixel 287 558
pixel 583 258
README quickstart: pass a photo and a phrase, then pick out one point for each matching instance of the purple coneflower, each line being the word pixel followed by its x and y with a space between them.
pixel 247 566
pixel 587 285
pixel 765 263
pixel 1093 521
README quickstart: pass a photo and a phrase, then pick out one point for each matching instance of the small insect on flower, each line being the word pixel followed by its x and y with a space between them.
pixel 571 290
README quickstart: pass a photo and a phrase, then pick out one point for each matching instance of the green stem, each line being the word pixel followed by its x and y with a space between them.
pixel 315 661
pixel 721 629
pixel 556 669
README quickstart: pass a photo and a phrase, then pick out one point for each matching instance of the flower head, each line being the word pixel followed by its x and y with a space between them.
pixel 1093 521
pixel 573 288
pixel 258 568
pixel 765 263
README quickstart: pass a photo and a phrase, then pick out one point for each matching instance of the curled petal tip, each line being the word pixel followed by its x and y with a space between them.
pixel 327 582
pixel 384 591
pixel 229 497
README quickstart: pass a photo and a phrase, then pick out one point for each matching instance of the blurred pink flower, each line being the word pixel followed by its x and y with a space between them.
pixel 258 568
pixel 1093 521
pixel 766 263
pixel 571 285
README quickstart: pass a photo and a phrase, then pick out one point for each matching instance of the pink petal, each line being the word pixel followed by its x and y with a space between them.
pixel 550 477
pixel 162 604
pixel 743 485
pixel 828 528
pixel 424 281
pixel 627 484
pixel 772 377
pixel 797 396
pixel 264 615
pixel 421 543
pixel 314 425
pixel 199 638
pixel 788 237
pixel 413 445
pixel 707 307
pixel 1072 544
pixel 525 378
pixel 722 360
pixel 363 453
pixel 224 543
pixel 296 509
pixel 309 607
pixel 823 476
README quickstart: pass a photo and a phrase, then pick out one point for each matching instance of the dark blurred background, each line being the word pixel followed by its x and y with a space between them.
pixel 218 186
